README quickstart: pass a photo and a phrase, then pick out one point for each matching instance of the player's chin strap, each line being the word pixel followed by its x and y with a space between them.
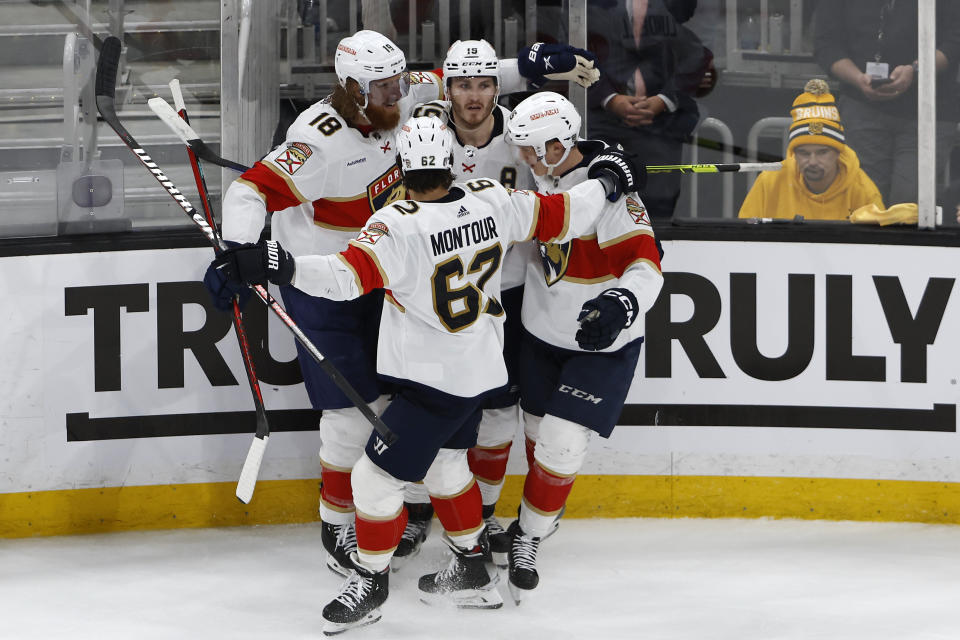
pixel 551 167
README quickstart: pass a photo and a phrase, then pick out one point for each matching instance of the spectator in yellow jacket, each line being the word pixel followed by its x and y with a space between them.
pixel 821 178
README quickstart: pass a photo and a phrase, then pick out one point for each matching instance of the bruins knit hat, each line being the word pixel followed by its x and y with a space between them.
pixel 816 119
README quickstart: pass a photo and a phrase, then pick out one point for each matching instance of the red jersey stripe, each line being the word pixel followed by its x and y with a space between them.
pixel 624 253
pixel 342 214
pixel 277 192
pixel 553 216
pixel 365 266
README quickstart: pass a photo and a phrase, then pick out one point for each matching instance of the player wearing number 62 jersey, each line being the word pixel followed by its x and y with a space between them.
pixel 438 257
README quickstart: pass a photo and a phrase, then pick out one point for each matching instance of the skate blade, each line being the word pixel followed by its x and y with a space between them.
pixel 500 560
pixel 398 562
pixel 338 568
pixel 486 598
pixel 336 628
pixel 517 593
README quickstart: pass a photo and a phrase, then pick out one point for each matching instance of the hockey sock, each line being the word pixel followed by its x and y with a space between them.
pixel 544 494
pixel 377 538
pixel 530 443
pixel 461 515
pixel 489 466
pixel 336 495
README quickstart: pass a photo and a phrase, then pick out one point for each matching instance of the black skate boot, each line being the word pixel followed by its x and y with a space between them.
pixel 498 536
pixel 358 603
pixel 464 582
pixel 523 562
pixel 340 540
pixel 419 522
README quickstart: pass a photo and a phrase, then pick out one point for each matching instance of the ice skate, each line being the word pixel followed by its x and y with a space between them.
pixel 465 582
pixel 523 562
pixel 358 603
pixel 414 534
pixel 498 536
pixel 339 541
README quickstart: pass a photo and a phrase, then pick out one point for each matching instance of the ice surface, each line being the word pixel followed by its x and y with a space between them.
pixel 657 579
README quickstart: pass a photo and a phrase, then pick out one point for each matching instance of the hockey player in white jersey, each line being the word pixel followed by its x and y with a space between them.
pixel 335 168
pixel 438 255
pixel 583 310
pixel 471 76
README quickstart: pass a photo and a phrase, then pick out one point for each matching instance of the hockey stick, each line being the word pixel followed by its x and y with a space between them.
pixel 105 85
pixel 190 138
pixel 251 465
pixel 739 167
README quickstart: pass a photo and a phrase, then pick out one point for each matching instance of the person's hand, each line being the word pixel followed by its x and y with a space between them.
pixel 222 290
pixel 604 317
pixel 255 264
pixel 958 213
pixel 541 62
pixel 901 78
pixel 632 110
pixel 618 172
pixel 650 108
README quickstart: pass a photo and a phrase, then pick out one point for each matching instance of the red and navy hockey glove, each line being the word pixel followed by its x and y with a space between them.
pixel 541 62
pixel 221 290
pixel 604 317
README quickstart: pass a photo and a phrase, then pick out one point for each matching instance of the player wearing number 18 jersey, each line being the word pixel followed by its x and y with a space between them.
pixel 336 167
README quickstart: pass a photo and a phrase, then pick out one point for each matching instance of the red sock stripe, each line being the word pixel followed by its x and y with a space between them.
pixel 545 491
pixel 380 535
pixel 336 490
pixel 530 444
pixel 489 465
pixel 462 512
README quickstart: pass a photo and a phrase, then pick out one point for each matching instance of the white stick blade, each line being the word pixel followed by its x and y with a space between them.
pixel 251 469
pixel 170 117
pixel 178 102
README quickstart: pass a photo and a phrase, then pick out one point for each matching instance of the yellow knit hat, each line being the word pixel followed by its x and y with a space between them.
pixel 816 119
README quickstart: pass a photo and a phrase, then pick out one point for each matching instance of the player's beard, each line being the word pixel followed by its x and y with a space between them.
pixel 382 118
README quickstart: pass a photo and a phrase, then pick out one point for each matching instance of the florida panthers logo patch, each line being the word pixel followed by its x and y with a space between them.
pixel 420 77
pixel 292 159
pixel 637 211
pixel 386 189
pixel 555 258
pixel 373 233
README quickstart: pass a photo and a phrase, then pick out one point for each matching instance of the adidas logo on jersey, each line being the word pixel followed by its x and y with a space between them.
pixel 463 212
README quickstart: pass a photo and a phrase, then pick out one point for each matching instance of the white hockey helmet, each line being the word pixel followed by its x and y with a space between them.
pixel 543 117
pixel 471 58
pixel 425 143
pixel 367 56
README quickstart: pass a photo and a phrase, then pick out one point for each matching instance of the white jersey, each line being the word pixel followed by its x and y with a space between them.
pixel 327 178
pixel 619 252
pixel 498 160
pixel 440 264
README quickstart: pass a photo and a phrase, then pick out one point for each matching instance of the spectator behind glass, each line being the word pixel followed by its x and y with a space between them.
pixel 821 178
pixel 652 67
pixel 859 39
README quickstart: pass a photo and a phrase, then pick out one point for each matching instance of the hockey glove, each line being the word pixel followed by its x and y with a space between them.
pixel 618 173
pixel 256 264
pixel 602 318
pixel 541 62
pixel 221 290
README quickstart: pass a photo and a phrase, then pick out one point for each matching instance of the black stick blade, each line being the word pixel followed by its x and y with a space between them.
pixel 107 67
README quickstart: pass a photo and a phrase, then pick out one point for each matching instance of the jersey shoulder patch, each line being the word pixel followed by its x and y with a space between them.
pixel 637 212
